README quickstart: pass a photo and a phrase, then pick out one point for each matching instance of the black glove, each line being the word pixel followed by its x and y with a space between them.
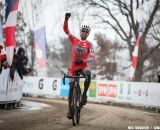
pixel 78 61
pixel 67 15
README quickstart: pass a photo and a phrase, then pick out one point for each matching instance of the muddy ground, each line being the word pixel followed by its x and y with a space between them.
pixel 93 117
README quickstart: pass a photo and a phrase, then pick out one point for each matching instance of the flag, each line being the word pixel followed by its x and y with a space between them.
pixel 2 53
pixel 10 27
pixel 40 46
pixel 1 37
pixel 134 59
pixel 139 13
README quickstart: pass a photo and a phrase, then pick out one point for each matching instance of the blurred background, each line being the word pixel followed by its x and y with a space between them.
pixel 39 30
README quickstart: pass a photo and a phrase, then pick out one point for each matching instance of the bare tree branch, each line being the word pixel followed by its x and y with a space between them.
pixel 113 26
pixel 112 16
pixel 151 18
pixel 132 17
pixel 127 17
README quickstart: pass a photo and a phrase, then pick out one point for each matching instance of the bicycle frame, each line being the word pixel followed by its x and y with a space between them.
pixel 76 101
pixel 76 79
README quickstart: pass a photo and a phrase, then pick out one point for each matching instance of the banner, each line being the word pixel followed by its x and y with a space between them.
pixel 146 94
pixel 40 46
pixel 39 86
pixel 10 27
pixel 92 89
pixel 124 92
pixel 64 88
pixel 10 91
pixel 2 51
pixel 135 93
pixel 107 90
pixel 1 37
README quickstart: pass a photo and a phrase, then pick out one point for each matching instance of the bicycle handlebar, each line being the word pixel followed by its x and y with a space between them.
pixel 74 77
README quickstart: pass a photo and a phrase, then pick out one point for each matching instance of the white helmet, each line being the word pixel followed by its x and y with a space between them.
pixel 85 28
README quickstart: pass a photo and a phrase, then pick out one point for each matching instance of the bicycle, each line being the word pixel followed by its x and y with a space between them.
pixel 76 104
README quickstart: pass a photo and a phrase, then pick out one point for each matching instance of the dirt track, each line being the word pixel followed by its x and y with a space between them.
pixel 94 117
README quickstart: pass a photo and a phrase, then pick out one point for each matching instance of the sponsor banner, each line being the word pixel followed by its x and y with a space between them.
pixel 30 85
pixel 81 83
pixel 146 93
pixel 107 90
pixel 14 88
pixel 10 90
pixel 92 89
pixel 3 84
pixel 124 92
pixel 49 86
pixel 64 88
pixel 136 93
pixel 40 86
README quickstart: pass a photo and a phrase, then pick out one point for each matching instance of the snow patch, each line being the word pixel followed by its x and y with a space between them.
pixel 30 106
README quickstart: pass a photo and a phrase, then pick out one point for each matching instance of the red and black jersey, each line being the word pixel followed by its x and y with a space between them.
pixel 80 50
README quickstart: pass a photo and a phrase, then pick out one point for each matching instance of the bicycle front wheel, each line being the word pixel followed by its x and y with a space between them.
pixel 75 107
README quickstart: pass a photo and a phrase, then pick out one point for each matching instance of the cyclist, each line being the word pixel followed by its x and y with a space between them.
pixel 82 54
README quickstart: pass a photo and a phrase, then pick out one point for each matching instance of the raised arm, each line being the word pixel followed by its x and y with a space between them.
pixel 66 30
pixel 65 26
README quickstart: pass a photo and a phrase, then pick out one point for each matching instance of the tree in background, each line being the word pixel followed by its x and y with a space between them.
pixel 25 28
pixel 119 16
pixel 2 15
pixel 66 52
pixel 25 38
pixel 106 57
pixel 59 59
pixel 21 30
pixel 153 64
pixel 53 62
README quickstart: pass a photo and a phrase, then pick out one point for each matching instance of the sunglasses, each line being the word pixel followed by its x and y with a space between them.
pixel 84 31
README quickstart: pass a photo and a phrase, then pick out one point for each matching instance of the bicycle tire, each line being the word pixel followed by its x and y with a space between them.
pixel 74 107
pixel 79 104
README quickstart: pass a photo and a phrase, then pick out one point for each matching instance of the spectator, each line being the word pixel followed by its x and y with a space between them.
pixel 25 69
pixel 158 76
pixel 20 62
